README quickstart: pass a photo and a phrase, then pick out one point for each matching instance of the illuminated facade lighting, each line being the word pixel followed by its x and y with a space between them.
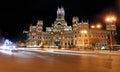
pixel 62 35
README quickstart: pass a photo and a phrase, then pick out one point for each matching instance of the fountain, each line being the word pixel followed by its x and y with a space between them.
pixel 8 45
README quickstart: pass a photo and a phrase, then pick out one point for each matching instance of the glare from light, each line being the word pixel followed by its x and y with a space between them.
pixel 110 18
pixel 84 31
pixel 8 47
pixel 92 26
pixel 98 26
pixel 6 52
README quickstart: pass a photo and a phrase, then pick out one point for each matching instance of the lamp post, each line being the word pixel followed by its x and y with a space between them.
pixel 111 27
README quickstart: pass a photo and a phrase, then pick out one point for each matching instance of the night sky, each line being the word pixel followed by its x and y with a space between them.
pixel 17 15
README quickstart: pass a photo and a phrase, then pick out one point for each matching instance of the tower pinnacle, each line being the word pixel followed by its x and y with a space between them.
pixel 60 13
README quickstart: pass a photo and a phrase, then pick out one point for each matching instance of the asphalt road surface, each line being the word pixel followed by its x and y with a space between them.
pixel 24 61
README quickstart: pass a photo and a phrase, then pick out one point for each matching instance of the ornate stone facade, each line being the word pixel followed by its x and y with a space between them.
pixel 79 35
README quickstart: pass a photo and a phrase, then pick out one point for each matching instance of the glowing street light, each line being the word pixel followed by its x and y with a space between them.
pixel 98 26
pixel 92 26
pixel 110 19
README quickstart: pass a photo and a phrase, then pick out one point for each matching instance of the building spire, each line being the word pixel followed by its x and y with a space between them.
pixel 60 13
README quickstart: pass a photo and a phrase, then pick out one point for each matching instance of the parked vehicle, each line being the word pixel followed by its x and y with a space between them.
pixel 115 47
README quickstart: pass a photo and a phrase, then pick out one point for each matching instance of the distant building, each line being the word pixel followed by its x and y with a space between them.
pixel 79 35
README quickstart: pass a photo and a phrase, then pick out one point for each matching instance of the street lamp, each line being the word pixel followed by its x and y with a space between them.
pixel 111 19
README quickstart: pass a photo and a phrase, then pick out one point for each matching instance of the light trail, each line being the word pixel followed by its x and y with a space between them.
pixel 32 52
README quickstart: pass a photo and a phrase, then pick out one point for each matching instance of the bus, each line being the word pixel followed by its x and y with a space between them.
pixel 115 47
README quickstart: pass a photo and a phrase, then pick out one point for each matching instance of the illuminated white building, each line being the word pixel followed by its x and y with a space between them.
pixel 79 35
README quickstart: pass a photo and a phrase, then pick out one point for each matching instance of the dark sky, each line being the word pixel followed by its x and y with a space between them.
pixel 17 15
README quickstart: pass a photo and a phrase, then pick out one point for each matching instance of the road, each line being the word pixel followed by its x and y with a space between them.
pixel 25 61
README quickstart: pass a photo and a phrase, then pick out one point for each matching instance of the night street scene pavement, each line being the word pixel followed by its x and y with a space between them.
pixel 54 60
